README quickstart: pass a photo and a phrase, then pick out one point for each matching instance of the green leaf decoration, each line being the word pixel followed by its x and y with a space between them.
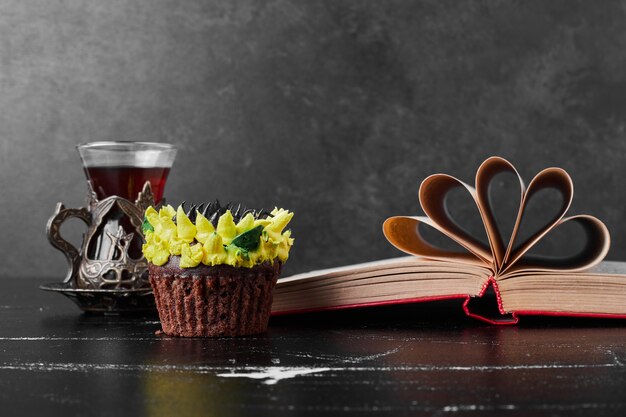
pixel 250 240
pixel 146 226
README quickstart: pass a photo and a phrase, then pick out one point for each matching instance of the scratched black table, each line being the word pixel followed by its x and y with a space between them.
pixel 423 359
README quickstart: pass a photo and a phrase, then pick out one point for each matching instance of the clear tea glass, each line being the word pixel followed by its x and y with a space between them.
pixel 121 169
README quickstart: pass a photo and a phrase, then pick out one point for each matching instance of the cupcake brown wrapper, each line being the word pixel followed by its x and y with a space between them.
pixel 219 300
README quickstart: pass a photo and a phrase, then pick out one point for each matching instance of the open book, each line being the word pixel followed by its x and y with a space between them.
pixel 497 272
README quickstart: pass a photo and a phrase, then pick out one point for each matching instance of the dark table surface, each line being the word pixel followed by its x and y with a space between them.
pixel 422 359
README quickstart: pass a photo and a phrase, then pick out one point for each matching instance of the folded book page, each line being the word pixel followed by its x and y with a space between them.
pixel 503 256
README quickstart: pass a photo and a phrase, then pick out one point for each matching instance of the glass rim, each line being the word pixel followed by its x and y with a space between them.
pixel 120 145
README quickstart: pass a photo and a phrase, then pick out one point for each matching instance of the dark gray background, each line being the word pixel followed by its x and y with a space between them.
pixel 334 109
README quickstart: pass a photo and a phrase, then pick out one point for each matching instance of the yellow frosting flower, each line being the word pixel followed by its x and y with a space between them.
pixel 204 228
pixel 175 245
pixel 152 216
pixel 167 212
pixel 226 227
pixel 282 250
pixel 191 256
pixel 214 251
pixel 249 242
pixel 165 228
pixel 245 224
pixel 272 231
pixel 155 249
pixel 185 229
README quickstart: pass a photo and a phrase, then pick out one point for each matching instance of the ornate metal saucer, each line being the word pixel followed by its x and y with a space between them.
pixel 114 282
pixel 108 301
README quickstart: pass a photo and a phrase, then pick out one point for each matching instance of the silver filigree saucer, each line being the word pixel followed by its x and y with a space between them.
pixel 116 280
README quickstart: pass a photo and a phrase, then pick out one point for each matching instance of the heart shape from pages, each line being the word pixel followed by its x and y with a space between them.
pixel 503 254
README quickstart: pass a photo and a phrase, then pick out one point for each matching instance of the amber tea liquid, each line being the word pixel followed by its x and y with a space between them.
pixel 126 182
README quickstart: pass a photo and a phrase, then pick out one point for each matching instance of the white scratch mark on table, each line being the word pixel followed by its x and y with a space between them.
pixel 337 359
pixel 272 375
pixel 460 408
pixel 360 359
pixel 477 407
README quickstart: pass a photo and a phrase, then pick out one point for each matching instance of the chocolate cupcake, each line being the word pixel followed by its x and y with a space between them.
pixel 213 269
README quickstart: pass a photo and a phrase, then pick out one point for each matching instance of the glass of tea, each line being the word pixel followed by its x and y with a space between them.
pixel 122 168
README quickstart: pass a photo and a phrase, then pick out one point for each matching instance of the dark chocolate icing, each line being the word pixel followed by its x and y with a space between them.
pixel 213 210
